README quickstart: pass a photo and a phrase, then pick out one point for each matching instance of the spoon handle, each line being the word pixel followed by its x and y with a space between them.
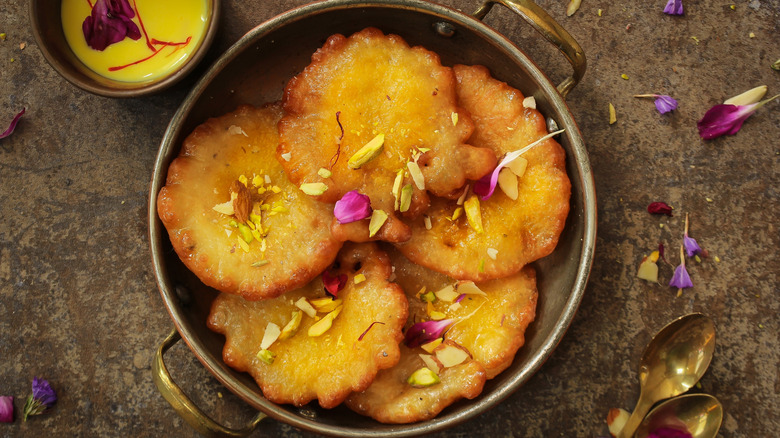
pixel 642 408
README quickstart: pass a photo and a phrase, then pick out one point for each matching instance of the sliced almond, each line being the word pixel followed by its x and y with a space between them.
pixel 518 166
pixel 450 354
pixel 468 288
pixel 431 363
pixel 272 332
pixel 507 182
pixel 325 304
pixel 447 294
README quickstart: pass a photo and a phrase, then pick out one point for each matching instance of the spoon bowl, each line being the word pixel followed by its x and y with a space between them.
pixel 698 414
pixel 674 360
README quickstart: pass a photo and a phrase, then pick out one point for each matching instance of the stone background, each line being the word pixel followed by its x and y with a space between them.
pixel 79 305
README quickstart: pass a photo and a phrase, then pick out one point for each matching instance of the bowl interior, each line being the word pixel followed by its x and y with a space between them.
pixel 46 21
pixel 255 71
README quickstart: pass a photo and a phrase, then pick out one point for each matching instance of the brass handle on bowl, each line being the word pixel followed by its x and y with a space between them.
pixel 551 30
pixel 184 406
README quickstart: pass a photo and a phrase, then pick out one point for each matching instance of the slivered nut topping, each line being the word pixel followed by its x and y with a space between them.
pixel 242 201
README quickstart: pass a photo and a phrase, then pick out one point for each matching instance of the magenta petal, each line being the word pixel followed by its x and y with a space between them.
pixel 659 208
pixel 426 331
pixel 664 104
pixel 11 128
pixel 6 409
pixel 681 279
pixel 334 283
pixel 723 120
pixel 353 206
pixel 674 7
pixel 111 21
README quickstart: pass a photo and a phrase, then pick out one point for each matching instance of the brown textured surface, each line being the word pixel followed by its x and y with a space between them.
pixel 79 306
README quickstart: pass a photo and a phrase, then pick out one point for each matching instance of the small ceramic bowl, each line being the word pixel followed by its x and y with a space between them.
pixel 46 21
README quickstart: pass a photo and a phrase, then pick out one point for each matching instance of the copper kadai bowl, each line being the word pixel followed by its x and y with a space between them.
pixel 255 70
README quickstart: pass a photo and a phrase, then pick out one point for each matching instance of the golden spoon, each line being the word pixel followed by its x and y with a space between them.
pixel 673 361
pixel 698 414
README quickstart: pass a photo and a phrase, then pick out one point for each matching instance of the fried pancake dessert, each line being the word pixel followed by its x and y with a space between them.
pixel 381 118
pixel 233 217
pixel 488 323
pixel 325 355
pixel 391 399
pixel 481 239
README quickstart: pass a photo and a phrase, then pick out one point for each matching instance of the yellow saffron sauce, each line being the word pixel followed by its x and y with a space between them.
pixel 182 23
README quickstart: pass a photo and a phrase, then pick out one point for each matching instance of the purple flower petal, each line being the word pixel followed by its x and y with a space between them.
pixel 353 206
pixel 111 22
pixel 42 398
pixel 674 7
pixel 43 392
pixel 666 432
pixel 691 246
pixel 6 409
pixel 664 104
pixel 426 331
pixel 681 279
pixel 11 128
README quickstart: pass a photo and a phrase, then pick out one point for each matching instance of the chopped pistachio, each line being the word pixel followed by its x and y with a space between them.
pixel 324 324
pixel 474 214
pixel 259 263
pixel 276 189
pixel 257 180
pixel 246 233
pixel 325 173
pixel 456 214
pixel 242 243
pixel 612 114
pixel 507 182
pixel 776 65
pixel 417 176
pixel 266 356
pixel 406 198
pixel 422 378
pixel 378 218
pixel 359 278
pixel 271 334
pixel 314 189
pixel 325 304
pixel 437 316
pixel 292 326
pixel 371 150
pixel 482 265
pixel 306 307
pixel 454 117
pixel 428 297
pixel 572 8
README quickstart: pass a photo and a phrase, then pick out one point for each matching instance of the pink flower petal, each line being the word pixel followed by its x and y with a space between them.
pixel 353 206
pixel 11 128
pixel 334 283
pixel 426 331
pixel 723 120
pixel 111 22
pixel 6 409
